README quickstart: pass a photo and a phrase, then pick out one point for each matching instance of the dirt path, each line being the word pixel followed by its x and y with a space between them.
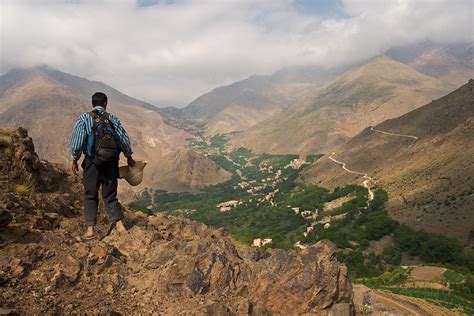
pixel 365 183
pixel 394 134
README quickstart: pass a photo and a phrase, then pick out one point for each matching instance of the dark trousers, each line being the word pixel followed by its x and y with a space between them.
pixel 105 175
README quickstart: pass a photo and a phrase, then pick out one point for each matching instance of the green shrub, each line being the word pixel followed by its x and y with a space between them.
pixel 22 189
pixel 431 248
pixel 394 277
pixel 392 255
pixel 5 141
pixel 7 151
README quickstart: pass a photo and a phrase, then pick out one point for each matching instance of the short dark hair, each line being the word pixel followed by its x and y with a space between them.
pixel 99 99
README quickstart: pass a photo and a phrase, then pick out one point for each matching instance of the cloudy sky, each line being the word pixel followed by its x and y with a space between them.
pixel 168 52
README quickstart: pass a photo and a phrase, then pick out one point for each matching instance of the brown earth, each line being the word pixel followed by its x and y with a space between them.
pixel 429 180
pixel 162 265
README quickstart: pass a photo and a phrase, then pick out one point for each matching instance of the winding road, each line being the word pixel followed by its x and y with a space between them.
pixel 393 134
pixel 365 183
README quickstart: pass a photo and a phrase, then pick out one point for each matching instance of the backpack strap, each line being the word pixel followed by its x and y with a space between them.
pixel 98 117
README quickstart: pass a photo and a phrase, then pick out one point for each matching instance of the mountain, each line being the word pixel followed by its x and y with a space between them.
pixel 163 265
pixel 428 173
pixel 245 103
pixel 365 95
pixel 47 102
pixel 452 63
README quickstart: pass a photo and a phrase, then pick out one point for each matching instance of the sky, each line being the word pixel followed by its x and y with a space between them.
pixel 168 52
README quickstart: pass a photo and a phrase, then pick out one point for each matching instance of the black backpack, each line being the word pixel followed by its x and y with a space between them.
pixel 105 140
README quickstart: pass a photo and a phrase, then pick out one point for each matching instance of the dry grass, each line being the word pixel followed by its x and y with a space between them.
pixel 7 151
pixel 22 189
pixel 5 141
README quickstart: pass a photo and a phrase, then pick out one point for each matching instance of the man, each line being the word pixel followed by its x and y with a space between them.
pixel 101 137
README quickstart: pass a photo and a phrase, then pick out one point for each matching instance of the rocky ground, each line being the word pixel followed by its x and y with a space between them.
pixel 162 265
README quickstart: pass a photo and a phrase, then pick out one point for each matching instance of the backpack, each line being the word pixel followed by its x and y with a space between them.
pixel 102 144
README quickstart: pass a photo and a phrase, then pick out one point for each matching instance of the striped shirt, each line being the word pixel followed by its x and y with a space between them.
pixel 83 127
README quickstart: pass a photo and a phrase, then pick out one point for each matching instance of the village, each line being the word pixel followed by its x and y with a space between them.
pixel 262 188
pixel 262 204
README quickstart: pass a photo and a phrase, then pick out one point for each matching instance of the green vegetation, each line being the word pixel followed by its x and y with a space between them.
pixel 394 277
pixel 431 248
pixel 22 189
pixel 219 141
pixel 445 298
pixel 451 276
pixel 141 204
pixel 392 255
pixel 263 191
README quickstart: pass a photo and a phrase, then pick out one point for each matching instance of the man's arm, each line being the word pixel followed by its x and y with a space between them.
pixel 125 144
pixel 78 138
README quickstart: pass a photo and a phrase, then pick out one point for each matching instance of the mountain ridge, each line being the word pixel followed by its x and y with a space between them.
pixel 428 178
pixel 370 93
pixel 40 98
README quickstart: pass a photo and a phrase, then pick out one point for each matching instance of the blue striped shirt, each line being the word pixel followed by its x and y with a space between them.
pixel 83 127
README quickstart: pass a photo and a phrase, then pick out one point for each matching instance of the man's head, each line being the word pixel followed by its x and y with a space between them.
pixel 99 99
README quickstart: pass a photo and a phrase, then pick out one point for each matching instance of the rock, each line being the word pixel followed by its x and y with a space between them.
pixel 71 268
pixel 99 250
pixel 5 218
pixel 17 267
pixel 9 312
pixel 311 280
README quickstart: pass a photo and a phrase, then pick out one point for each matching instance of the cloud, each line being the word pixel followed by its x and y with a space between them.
pixel 169 52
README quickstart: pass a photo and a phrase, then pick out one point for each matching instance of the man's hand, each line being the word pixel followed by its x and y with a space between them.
pixel 75 167
pixel 130 161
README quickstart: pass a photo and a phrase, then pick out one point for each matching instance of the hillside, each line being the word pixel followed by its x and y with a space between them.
pixel 47 102
pixel 366 95
pixel 428 173
pixel 245 103
pixel 163 265
pixel 452 63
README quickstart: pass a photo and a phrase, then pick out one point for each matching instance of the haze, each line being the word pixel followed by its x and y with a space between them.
pixel 170 52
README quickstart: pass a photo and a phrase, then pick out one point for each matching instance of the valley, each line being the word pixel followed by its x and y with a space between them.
pixel 265 205
pixel 270 202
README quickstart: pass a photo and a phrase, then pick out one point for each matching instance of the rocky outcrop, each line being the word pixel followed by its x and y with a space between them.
pixel 162 264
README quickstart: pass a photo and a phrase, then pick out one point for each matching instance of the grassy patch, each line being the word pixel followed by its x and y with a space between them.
pixel 389 278
pixel 451 276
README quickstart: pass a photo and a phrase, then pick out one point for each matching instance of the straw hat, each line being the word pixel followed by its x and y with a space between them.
pixel 133 175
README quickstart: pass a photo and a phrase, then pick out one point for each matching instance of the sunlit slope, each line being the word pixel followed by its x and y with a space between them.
pixel 364 96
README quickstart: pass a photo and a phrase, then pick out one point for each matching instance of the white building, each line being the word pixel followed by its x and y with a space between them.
pixel 259 242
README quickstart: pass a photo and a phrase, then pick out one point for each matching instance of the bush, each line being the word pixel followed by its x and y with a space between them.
pixel 379 225
pixel 7 151
pixel 22 189
pixel 394 277
pixel 392 255
pixel 5 141
pixel 430 247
